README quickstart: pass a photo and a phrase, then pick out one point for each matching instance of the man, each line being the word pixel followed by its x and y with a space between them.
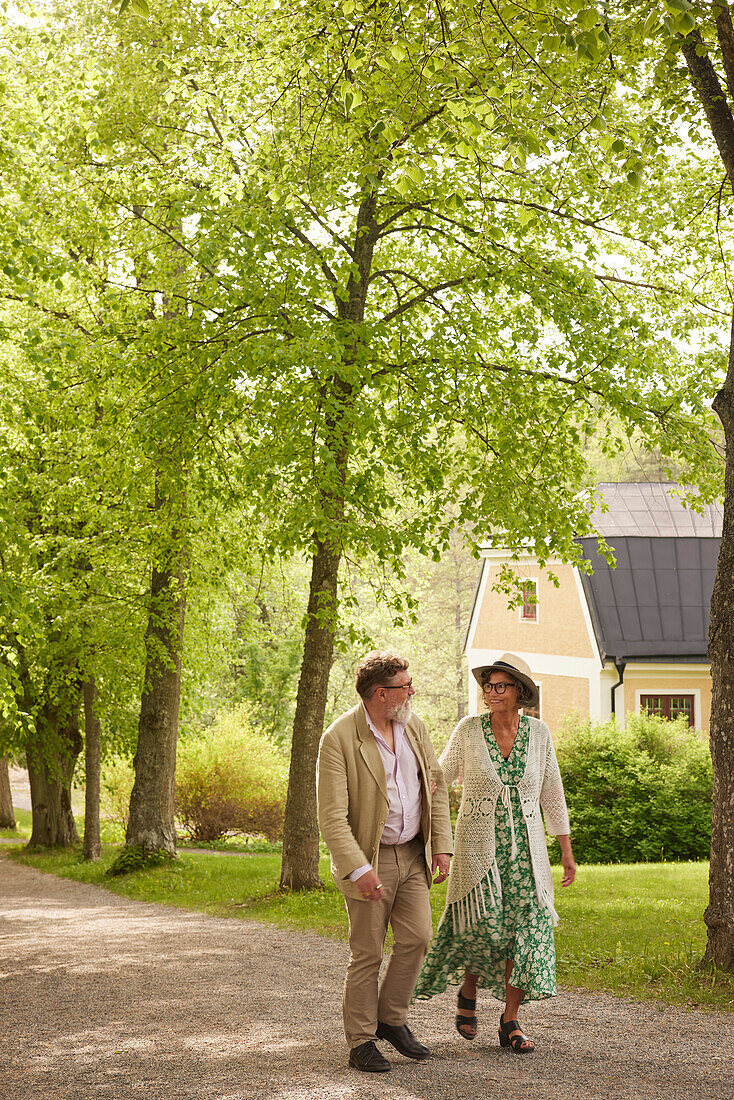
pixel 384 815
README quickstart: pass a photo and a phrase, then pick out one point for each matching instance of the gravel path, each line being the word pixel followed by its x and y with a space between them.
pixel 101 997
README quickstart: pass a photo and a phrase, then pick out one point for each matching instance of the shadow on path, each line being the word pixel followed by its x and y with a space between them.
pixel 105 997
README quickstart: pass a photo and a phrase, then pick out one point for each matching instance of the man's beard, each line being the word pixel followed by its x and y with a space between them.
pixel 401 712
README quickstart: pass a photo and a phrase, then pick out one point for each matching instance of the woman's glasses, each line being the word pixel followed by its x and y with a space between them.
pixel 500 688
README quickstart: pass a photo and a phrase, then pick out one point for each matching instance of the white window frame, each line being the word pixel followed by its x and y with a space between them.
pixel 672 690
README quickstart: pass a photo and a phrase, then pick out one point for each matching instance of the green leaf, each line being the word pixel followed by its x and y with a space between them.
pixel 140 7
pixel 587 18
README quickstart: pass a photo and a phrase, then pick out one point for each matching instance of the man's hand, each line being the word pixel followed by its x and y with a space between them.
pixel 441 864
pixel 370 886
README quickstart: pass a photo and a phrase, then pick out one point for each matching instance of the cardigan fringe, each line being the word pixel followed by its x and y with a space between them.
pixel 474 865
pixel 469 910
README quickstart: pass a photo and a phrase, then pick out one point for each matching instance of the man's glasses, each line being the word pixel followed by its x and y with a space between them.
pixel 500 688
pixel 396 687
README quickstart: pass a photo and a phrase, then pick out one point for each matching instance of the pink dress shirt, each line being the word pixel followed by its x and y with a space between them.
pixel 404 790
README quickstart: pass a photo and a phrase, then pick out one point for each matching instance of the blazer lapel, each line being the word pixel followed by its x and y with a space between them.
pixel 418 750
pixel 369 751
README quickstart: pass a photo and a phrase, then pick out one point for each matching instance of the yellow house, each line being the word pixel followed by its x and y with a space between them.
pixel 629 639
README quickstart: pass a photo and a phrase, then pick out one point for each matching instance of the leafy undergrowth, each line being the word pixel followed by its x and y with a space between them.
pixel 632 930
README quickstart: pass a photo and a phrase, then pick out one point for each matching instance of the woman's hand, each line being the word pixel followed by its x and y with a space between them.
pixel 569 863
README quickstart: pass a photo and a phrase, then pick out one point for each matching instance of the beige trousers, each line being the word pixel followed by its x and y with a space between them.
pixel 406 908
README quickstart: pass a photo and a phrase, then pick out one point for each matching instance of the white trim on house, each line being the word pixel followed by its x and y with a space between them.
pixel 608 676
pixel 476 606
pixel 542 664
pixel 666 679
pixel 669 689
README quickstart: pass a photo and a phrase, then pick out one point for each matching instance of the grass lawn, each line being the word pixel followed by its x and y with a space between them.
pixel 634 930
pixel 22 830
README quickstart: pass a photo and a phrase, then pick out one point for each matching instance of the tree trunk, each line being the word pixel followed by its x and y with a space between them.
pixel 459 649
pixel 7 817
pixel 300 865
pixel 151 824
pixel 719 915
pixel 51 754
pixel 92 767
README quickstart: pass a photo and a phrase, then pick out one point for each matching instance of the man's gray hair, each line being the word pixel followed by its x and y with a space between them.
pixel 377 668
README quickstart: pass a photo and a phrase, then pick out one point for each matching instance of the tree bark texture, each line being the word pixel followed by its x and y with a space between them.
pixel 151 823
pixel 713 99
pixel 92 769
pixel 7 816
pixel 300 864
pixel 51 755
pixel 719 915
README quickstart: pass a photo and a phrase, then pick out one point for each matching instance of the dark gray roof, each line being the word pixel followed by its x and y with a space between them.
pixel 656 602
pixel 649 509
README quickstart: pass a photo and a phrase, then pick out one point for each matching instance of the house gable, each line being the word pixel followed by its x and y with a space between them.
pixel 561 627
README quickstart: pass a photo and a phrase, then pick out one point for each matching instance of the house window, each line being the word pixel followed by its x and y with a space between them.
pixel 668 706
pixel 529 609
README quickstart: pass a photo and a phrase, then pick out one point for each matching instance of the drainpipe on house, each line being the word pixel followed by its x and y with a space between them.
pixel 620 667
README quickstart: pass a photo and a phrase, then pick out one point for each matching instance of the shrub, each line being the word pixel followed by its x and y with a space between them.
pixel 230 779
pixel 639 794
pixel 130 860
pixel 115 790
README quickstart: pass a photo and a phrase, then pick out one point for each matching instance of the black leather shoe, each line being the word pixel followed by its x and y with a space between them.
pixel 368 1058
pixel 404 1041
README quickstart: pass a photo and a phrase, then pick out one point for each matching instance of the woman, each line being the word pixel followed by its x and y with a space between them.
pixel 497 929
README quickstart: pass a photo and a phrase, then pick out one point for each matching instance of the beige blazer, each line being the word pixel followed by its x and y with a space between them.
pixel 352 796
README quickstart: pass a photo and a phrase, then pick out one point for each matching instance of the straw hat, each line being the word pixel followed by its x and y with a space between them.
pixel 519 669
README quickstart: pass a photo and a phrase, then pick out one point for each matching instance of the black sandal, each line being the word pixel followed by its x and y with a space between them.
pixel 517 1042
pixel 466 1021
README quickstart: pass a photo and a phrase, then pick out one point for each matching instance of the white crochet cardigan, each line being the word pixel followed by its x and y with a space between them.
pixel 474 882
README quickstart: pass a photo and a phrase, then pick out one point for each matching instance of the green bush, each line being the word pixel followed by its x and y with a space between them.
pixel 639 794
pixel 130 860
pixel 230 779
pixel 115 789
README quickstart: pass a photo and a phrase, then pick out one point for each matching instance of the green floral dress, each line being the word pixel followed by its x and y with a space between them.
pixel 517 926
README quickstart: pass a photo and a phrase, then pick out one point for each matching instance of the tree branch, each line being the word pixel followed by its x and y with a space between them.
pixel 429 293
pixel 332 233
pixel 61 315
pixel 301 236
